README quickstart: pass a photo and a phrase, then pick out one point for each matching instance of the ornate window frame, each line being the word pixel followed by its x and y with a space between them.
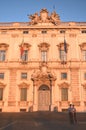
pixel 62 57
pixel 4 47
pixel 83 48
pixel 26 47
pixel 44 47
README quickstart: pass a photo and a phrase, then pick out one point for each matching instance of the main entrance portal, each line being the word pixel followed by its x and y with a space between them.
pixel 43 98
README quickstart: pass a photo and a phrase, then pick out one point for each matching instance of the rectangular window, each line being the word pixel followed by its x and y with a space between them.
pixel 23 95
pixel 64 94
pixel 1 75
pixel 25 32
pixel 24 57
pixel 84 94
pixel 3 32
pixel 62 31
pixel 23 75
pixel 2 55
pixel 84 76
pixel 83 31
pixel 63 55
pixel 84 55
pixel 63 75
pixel 1 93
pixel 44 56
pixel 44 32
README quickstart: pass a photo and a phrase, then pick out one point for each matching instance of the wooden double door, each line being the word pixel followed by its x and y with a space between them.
pixel 43 98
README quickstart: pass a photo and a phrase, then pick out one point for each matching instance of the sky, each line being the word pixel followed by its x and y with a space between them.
pixel 18 10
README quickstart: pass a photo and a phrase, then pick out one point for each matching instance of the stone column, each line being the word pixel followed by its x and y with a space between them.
pixel 34 96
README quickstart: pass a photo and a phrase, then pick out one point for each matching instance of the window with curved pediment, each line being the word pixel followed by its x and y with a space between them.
pixel 83 51
pixel 3 49
pixel 24 51
pixel 62 53
pixel 44 47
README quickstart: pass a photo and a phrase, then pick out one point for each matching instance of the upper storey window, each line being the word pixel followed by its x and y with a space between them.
pixel 3 49
pixel 3 32
pixel 24 55
pixel 83 31
pixel 63 52
pixel 2 55
pixel 44 51
pixel 84 55
pixel 44 55
pixel 25 32
pixel 44 32
pixel 83 51
pixel 63 56
pixel 62 31
pixel 24 49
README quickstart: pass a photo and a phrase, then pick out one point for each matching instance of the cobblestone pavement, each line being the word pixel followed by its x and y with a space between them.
pixel 40 121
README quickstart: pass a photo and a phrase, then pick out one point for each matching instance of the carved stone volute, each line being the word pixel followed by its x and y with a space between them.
pixel 44 17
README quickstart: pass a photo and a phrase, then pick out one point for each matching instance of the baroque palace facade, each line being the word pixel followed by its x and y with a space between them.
pixel 42 64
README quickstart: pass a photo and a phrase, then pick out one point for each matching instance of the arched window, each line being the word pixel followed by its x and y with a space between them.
pixel 44 87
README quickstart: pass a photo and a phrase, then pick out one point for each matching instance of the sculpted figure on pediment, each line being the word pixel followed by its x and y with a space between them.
pixel 54 18
pixel 34 18
pixel 44 17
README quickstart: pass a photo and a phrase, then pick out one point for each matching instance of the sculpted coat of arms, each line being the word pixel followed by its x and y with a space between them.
pixel 44 17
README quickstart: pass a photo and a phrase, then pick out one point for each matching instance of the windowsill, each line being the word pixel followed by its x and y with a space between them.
pixel 24 62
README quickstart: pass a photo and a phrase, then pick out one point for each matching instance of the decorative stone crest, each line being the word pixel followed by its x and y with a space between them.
pixel 43 74
pixel 44 17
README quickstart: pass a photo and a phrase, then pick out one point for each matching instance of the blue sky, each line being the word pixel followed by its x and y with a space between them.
pixel 17 10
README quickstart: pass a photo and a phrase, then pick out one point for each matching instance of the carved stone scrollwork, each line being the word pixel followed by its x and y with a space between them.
pixel 44 18
pixel 44 46
pixel 4 46
pixel 83 46
pixel 34 18
pixel 54 18
pixel 41 76
pixel 64 85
